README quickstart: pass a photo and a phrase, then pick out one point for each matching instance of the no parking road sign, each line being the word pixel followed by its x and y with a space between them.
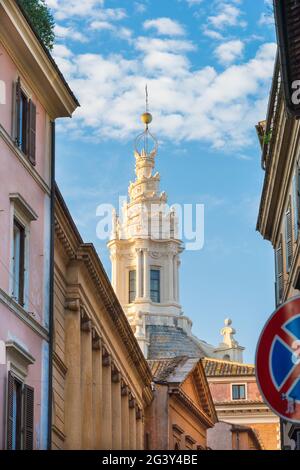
pixel 278 361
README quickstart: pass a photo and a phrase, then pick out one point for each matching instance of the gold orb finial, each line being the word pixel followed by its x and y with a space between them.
pixel 146 118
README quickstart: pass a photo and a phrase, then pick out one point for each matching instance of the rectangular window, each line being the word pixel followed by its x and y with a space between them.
pixel 25 123
pixel 20 417
pixel 17 415
pixel 238 392
pixel 296 203
pixel 132 286
pixel 155 285
pixel 18 262
pixel 288 239
pixel 279 273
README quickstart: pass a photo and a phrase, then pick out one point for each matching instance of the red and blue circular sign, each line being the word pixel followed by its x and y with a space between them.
pixel 278 361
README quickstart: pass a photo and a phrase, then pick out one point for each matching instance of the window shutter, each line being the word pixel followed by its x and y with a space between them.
pixel 279 273
pixel 295 204
pixel 10 393
pixel 32 133
pixel 28 417
pixel 17 104
pixel 288 239
pixel 298 194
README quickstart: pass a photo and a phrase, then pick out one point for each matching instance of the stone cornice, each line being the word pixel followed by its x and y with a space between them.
pixel 179 394
pixel 23 315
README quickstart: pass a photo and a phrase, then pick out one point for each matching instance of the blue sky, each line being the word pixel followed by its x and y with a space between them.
pixel 208 66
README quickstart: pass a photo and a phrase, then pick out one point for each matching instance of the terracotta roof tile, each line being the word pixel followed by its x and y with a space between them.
pixel 219 367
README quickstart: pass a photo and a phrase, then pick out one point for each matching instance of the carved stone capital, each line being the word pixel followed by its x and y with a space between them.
pixel 86 322
pixel 115 374
pixel 132 402
pixel 106 357
pixel 72 304
pixel 124 389
pixel 96 340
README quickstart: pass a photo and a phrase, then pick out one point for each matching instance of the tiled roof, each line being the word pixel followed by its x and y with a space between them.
pixel 221 368
pixel 173 370
pixel 169 342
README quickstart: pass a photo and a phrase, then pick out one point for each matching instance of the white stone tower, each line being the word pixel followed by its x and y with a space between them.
pixel 144 248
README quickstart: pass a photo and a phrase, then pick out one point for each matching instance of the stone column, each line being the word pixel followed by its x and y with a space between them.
pixel 86 383
pixel 97 390
pixel 116 410
pixel 125 417
pixel 139 273
pixel 146 275
pixel 113 259
pixel 175 264
pixel 178 280
pixel 171 277
pixel 132 424
pixel 73 378
pixel 139 430
pixel 106 437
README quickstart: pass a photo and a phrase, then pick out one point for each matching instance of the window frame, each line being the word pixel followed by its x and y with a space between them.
pixel 19 360
pixel 19 293
pixel 131 299
pixel 279 271
pixel 24 130
pixel 240 384
pixel 158 291
pixel 25 215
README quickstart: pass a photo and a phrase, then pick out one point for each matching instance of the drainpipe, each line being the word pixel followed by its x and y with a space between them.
pixel 51 284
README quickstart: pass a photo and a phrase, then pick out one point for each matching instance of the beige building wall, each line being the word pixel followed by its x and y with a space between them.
pixel 279 212
pixel 101 381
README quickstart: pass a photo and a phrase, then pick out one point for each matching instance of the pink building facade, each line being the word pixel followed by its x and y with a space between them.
pixel 33 94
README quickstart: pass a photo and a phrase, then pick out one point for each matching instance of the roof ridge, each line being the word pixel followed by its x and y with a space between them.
pixel 224 361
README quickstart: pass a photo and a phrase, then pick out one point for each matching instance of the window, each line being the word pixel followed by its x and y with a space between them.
pixel 22 124
pixel 155 285
pixel 279 273
pixel 20 419
pixel 238 392
pixel 132 286
pixel 288 239
pixel 296 201
pixel 25 123
pixel 18 262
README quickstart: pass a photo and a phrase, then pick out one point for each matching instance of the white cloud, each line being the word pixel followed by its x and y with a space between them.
pixel 229 15
pixel 229 51
pixel 187 104
pixel 63 32
pixel 87 9
pixel 101 25
pixel 118 31
pixel 210 33
pixel 193 2
pixel 165 26
pixel 148 45
pixel 266 19
pixel 140 7
pixel 63 9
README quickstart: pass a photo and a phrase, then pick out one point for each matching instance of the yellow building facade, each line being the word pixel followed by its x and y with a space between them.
pixel 101 380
